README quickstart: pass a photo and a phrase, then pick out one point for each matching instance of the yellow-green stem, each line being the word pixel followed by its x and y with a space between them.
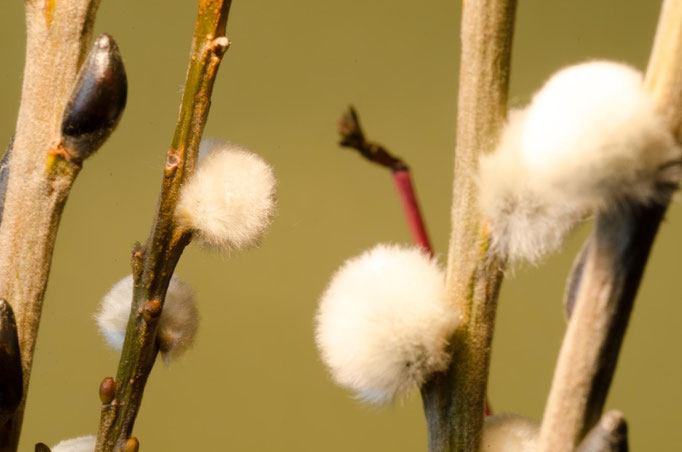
pixel 153 264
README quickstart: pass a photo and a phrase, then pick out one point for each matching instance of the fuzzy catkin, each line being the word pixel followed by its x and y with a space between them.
pixel 590 140
pixel 80 444
pixel 177 326
pixel 229 201
pixel 384 322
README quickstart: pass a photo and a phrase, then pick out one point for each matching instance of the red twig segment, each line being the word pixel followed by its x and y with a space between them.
pixel 403 182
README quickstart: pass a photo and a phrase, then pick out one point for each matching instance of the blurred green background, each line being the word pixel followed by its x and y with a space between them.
pixel 253 381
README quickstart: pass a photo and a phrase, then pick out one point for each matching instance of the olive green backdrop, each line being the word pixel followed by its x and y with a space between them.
pixel 253 381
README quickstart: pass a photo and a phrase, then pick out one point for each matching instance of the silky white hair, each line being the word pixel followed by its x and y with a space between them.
pixel 509 433
pixel 81 444
pixel 229 201
pixel 177 326
pixel 590 140
pixel 384 322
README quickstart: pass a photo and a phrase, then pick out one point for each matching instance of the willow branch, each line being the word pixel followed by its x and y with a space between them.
pixel 153 264
pixel 613 265
pixel 454 401
pixel 58 35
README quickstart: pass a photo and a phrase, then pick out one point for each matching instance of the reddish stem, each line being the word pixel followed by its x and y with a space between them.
pixel 352 136
pixel 403 182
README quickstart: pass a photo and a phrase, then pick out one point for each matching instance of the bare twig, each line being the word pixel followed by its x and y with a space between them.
pixel 153 264
pixel 58 35
pixel 614 262
pixel 353 137
pixel 454 401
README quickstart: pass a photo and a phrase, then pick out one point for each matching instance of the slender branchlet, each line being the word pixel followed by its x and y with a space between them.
pixel 153 263
pixel 58 37
pixel 613 264
pixel 454 400
pixel 352 136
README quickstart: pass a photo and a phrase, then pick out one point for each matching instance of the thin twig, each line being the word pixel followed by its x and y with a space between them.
pixel 352 136
pixel 153 264
pixel 58 36
pixel 614 263
pixel 454 401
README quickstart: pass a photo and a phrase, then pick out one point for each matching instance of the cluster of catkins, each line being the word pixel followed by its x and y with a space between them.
pixel 227 204
pixel 590 140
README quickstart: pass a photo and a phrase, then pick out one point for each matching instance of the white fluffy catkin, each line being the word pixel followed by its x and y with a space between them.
pixel 589 140
pixel 80 444
pixel 229 201
pixel 509 433
pixel 384 322
pixel 177 326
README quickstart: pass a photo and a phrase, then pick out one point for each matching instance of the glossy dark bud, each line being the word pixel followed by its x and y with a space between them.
pixel 11 374
pixel 97 100
pixel 42 447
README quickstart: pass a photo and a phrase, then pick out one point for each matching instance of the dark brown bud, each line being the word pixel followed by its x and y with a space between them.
pixel 107 390
pixel 42 447
pixel 11 374
pixel 97 100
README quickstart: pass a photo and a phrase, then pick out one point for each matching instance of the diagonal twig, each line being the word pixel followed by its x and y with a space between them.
pixel 613 265
pixel 153 263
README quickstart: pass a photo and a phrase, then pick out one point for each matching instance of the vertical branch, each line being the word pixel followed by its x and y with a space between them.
pixel 454 401
pixel 58 34
pixel 614 262
pixel 153 264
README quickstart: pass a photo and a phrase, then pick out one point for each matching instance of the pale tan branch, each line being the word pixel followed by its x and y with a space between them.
pixel 613 266
pixel 454 401
pixel 57 39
